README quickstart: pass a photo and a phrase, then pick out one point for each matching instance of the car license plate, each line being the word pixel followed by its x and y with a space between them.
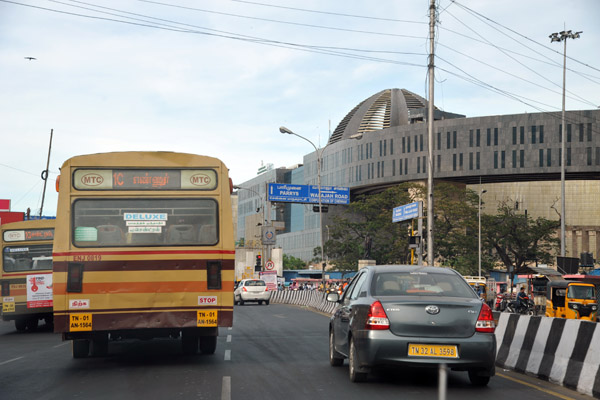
pixel 432 350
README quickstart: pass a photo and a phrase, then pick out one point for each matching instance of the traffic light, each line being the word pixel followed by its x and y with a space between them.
pixel 258 266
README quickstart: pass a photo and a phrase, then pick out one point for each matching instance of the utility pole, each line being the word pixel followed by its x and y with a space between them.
pixel 562 37
pixel 45 173
pixel 430 116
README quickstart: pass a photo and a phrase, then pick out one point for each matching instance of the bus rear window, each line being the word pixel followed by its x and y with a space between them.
pixel 143 222
pixel 27 258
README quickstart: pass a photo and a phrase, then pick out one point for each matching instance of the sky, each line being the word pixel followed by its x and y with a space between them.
pixel 219 77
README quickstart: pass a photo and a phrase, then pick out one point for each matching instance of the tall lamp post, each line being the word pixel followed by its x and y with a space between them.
pixel 562 37
pixel 283 129
pixel 479 212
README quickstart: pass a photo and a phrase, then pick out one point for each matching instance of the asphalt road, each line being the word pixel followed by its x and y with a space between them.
pixel 272 352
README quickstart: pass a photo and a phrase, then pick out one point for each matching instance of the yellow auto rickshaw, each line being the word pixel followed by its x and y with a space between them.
pixel 571 300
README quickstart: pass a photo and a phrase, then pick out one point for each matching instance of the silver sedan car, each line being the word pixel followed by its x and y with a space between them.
pixel 251 290
pixel 412 316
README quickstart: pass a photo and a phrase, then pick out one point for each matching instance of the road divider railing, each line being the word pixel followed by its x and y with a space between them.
pixel 309 298
pixel 562 351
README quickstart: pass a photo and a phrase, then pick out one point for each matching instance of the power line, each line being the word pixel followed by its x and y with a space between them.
pixel 272 20
pixel 329 13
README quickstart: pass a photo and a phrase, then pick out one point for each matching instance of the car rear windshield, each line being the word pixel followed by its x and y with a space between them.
pixel 420 284
pixel 256 283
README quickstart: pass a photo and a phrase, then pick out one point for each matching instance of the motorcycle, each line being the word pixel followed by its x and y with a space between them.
pixel 525 307
pixel 501 301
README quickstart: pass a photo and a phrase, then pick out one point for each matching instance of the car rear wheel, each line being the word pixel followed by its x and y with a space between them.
pixel 241 302
pixel 478 380
pixel 356 375
pixel 267 302
pixel 335 358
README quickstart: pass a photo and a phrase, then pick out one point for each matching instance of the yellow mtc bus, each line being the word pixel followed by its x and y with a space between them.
pixel 144 248
pixel 26 272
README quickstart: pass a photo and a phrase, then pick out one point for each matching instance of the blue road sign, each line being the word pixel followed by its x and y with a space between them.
pixel 407 211
pixel 285 192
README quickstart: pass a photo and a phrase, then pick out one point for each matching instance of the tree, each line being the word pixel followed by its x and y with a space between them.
pixel 366 229
pixel 291 262
pixel 517 239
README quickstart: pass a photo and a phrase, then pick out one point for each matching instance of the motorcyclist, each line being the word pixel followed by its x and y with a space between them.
pixel 522 299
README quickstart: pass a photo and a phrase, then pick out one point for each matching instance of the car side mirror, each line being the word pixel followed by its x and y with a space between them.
pixel 333 297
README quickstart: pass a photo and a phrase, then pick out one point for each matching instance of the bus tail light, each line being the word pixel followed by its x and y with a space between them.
pixel 5 288
pixel 230 186
pixel 57 183
pixel 75 277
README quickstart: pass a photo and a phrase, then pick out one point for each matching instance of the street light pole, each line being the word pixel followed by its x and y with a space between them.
pixel 479 212
pixel 283 129
pixel 562 37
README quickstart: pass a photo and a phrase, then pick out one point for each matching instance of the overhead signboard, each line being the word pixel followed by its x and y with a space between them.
pixel 285 192
pixel 4 204
pixel 407 211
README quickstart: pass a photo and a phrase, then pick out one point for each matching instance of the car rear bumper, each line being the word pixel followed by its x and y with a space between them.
pixel 384 348
pixel 249 296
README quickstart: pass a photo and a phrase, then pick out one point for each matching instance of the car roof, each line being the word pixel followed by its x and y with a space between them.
pixel 411 268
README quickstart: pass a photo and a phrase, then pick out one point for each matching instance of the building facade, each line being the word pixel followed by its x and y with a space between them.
pixel 515 158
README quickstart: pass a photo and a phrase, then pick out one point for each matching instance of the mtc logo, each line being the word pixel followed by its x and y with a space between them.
pixel 92 180
pixel 200 180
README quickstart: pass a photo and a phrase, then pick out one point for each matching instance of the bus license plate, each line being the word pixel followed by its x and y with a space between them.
pixel 432 350
pixel 207 318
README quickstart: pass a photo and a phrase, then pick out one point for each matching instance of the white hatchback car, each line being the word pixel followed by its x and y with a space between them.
pixel 251 290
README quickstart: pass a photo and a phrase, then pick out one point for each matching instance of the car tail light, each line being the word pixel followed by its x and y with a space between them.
pixel 485 321
pixel 5 288
pixel 377 318
pixel 244 289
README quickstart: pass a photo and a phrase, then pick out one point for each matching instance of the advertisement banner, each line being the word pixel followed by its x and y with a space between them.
pixel 39 290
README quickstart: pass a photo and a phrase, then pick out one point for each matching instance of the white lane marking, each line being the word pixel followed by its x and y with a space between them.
pixel 227 355
pixel 9 361
pixel 226 388
pixel 62 344
pixel 228 338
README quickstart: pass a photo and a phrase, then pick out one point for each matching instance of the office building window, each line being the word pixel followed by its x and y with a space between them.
pixel 495 159
pixel 453 162
pixel 416 144
pixel 470 161
pixel 383 169
pixel 408 145
pixel 581 132
pixel 502 159
pixel 541 133
pixel 470 138
pixel 589 132
pixel 522 158
pixel 569 133
pixel 533 133
pixel 597 155
pixel 460 161
pixel 393 167
pixel 424 166
pixel 478 164
pixel 380 148
pixel 400 167
pixel 418 165
pixel 514 159
pixel 548 157
pixel 454 139
pixel 489 136
pixel 522 135
pixel 439 144
pixel 588 151
pixel 421 142
pixel 560 157
pixel 439 162
pixel 385 148
pixel 541 164
pixel 495 136
pixel 514 129
pixel 378 169
pixel 403 145
pixel 406 165
pixel 391 147
pixel 478 137
pixel 568 152
pixel 447 140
